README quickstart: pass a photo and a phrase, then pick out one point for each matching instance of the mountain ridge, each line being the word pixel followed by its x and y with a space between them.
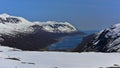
pixel 50 26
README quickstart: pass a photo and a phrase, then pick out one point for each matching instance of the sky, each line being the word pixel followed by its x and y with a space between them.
pixel 83 14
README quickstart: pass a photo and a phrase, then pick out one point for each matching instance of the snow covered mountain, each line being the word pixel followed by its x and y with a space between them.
pixel 107 40
pixel 19 24
pixel 21 33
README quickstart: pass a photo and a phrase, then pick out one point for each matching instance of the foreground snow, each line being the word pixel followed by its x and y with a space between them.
pixel 12 58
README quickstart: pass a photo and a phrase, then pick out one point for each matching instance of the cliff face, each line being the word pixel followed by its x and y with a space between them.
pixel 107 40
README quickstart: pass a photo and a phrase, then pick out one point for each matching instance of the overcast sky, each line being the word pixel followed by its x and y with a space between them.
pixel 84 14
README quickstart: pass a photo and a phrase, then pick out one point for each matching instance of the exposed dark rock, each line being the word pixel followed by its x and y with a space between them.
pixel 13 59
pixel 9 20
pixel 28 63
pixel 86 43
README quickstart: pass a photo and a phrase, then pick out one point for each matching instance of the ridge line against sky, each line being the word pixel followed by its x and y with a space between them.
pixel 84 14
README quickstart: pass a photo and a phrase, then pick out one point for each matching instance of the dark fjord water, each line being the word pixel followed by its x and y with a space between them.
pixel 68 43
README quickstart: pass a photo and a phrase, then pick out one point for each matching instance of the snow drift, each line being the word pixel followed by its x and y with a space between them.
pixel 11 58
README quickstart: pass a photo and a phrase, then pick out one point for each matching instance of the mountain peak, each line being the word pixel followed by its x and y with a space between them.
pixel 4 15
pixel 6 18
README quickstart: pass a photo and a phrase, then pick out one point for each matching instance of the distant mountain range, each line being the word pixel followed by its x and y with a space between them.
pixel 20 33
pixel 107 40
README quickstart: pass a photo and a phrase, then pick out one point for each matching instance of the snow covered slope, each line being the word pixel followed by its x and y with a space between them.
pixel 11 58
pixel 107 40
